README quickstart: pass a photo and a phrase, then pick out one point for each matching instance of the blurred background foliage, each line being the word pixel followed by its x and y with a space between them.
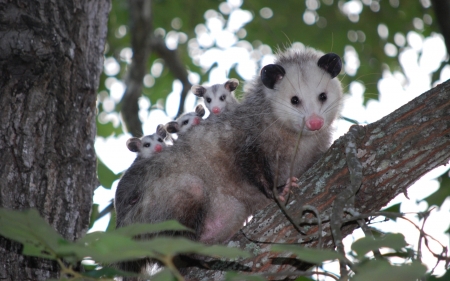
pixel 367 34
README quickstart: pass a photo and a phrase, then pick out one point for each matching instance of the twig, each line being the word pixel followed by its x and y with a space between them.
pixel 421 236
pixel 175 65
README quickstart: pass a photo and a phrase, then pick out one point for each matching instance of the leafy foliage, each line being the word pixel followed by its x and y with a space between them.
pixel 438 197
pixel 105 175
pixel 41 240
pixel 363 246
pixel 383 270
pixel 314 256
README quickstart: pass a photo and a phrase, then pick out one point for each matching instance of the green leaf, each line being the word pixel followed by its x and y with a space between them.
pixel 171 246
pixel 391 240
pixel 112 222
pixel 382 270
pixel 392 209
pixel 438 197
pixel 105 175
pixel 445 277
pixel 103 247
pixel 27 227
pixel 164 275
pixel 223 252
pixel 105 130
pixel 145 228
pixel 94 214
pixel 314 256
pixel 108 272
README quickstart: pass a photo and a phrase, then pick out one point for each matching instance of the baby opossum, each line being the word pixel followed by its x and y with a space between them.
pixel 148 145
pixel 186 121
pixel 218 97
pixel 250 150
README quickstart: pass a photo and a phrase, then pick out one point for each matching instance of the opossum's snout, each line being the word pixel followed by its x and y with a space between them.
pixel 216 110
pixel 314 122
pixel 158 148
pixel 196 121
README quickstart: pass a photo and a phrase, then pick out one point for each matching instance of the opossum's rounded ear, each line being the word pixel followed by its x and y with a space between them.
pixel 231 84
pixel 161 131
pixel 200 110
pixel 198 90
pixel 271 74
pixel 134 144
pixel 331 63
pixel 172 127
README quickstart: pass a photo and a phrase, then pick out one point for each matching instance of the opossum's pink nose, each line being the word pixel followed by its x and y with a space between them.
pixel 314 123
pixel 216 110
pixel 196 121
pixel 158 148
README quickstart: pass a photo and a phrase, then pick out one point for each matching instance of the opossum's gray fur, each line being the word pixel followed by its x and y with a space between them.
pixel 214 189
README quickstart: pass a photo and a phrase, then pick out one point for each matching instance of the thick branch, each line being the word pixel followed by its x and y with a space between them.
pixel 394 151
pixel 176 66
pixel 141 30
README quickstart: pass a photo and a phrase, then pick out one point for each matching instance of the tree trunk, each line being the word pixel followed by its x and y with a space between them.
pixel 51 57
pixel 394 152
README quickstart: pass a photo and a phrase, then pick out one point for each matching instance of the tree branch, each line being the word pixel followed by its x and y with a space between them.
pixel 394 151
pixel 141 33
pixel 176 66
pixel 442 10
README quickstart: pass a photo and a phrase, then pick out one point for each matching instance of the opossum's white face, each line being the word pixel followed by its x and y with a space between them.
pixel 216 99
pixel 218 96
pixel 150 145
pixel 306 97
pixel 188 120
pixel 147 146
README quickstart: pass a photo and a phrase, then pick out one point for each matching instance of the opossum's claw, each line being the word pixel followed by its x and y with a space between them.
pixel 291 182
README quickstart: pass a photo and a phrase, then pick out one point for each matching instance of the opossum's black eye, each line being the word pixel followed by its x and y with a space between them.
pixel 222 97
pixel 295 100
pixel 160 140
pixel 185 122
pixel 323 97
pixel 208 100
pixel 146 144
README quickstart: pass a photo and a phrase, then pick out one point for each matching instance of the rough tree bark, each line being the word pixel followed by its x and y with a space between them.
pixel 394 152
pixel 51 57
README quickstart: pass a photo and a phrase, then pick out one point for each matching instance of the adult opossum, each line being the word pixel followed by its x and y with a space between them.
pixel 219 97
pixel 214 189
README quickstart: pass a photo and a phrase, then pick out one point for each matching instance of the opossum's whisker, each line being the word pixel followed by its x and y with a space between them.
pixel 332 106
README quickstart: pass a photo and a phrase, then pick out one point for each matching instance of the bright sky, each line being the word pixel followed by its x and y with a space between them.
pixel 419 58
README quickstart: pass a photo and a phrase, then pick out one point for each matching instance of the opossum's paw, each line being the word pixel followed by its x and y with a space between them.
pixel 291 182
